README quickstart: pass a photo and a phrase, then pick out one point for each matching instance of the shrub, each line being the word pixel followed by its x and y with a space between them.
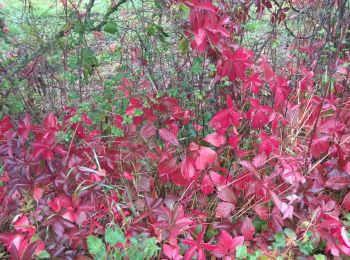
pixel 266 175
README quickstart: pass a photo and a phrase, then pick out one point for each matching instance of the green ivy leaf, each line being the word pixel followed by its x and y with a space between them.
pixel 115 236
pixel 241 252
pixel 96 247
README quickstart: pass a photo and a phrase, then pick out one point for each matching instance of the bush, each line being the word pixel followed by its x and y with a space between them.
pixel 253 165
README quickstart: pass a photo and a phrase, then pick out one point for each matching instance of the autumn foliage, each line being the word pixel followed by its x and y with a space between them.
pixel 274 161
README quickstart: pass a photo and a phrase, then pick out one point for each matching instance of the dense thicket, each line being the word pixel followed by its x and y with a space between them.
pixel 175 129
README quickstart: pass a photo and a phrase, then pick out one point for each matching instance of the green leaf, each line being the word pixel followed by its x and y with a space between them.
pixel 307 248
pixel 259 224
pixel 142 248
pixel 320 257
pixel 198 229
pixel 115 236
pixel 138 112
pixel 88 57
pixel 151 30
pixel 306 245
pixel 44 255
pixel 127 119
pixel 96 247
pixel 280 241
pixel 184 45
pixel 118 255
pixel 197 66
pixel 162 32
pixel 241 252
pixel 198 95
pixel 110 27
pixel 74 95
pixel 212 67
pixel 255 255
pixel 117 131
pixel 347 220
pixel 275 43
pixel 15 104
pixel 290 233
pixel 185 11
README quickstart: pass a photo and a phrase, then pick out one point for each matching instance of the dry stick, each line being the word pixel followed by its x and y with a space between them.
pixel 306 112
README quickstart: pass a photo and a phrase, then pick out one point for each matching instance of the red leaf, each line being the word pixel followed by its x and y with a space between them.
pixel 247 228
pixel 280 88
pixel 207 185
pixel 268 143
pixel 5 124
pixel 187 168
pixel 60 202
pixel 166 167
pixel 37 193
pixel 21 223
pixel 24 128
pixel 224 209
pixel 258 115
pixel 31 250
pixel 85 118
pixel 236 63
pixel 172 251
pixel 227 245
pixel 178 179
pixel 208 6
pixel 233 141
pixel 338 182
pixel 229 101
pixel 217 179
pixel 253 82
pixel 227 195
pixel 15 255
pixel 215 139
pixel 284 208
pixel 346 201
pixel 15 243
pixel 148 130
pixel 224 119
pixel 168 136
pixel 206 157
pixel 262 211
pixel 268 72
pixel 51 121
pixel 319 146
